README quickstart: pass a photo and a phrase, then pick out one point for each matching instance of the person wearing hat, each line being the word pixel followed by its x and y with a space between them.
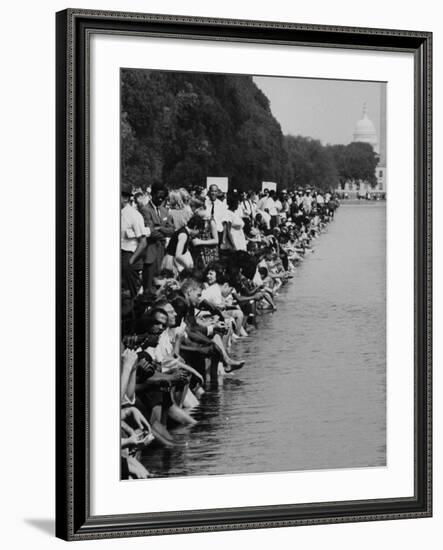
pixel 133 235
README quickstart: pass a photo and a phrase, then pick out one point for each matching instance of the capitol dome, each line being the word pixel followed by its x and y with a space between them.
pixel 365 131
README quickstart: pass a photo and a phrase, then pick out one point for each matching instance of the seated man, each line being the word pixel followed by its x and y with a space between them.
pixel 161 280
pixel 246 291
pixel 167 358
pixel 201 338
pixel 135 430
pixel 153 387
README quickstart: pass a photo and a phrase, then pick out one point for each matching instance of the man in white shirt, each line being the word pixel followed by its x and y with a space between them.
pixel 278 208
pixel 307 202
pixel 299 198
pixel 271 206
pixel 261 205
pixel 216 209
pixel 133 235
pixel 266 205
pixel 247 206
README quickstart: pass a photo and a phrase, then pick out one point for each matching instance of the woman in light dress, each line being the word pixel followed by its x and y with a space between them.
pixel 235 222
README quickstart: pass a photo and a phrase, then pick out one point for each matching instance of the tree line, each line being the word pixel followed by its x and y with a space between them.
pixel 179 128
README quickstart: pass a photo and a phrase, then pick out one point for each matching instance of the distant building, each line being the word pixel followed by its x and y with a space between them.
pixel 365 132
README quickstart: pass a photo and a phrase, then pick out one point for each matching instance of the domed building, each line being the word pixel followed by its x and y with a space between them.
pixel 365 131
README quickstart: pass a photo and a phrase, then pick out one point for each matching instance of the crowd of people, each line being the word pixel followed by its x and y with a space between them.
pixel 198 268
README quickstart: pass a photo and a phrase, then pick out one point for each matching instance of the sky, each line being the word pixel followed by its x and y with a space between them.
pixel 319 108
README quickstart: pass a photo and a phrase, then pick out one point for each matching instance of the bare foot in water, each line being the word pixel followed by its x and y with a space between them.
pixel 161 434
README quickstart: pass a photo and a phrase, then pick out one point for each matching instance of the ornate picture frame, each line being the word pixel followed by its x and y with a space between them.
pixel 74 520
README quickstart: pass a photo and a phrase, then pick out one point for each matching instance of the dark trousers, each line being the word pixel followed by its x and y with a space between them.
pixel 124 470
pixel 147 400
pixel 149 272
pixel 130 273
pixel 196 360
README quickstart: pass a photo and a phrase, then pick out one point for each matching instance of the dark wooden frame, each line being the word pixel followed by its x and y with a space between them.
pixel 74 521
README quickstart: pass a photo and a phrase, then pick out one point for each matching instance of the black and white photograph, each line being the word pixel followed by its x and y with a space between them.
pixel 253 274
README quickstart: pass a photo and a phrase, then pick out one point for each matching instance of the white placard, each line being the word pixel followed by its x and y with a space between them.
pixel 269 185
pixel 221 183
pixel 111 496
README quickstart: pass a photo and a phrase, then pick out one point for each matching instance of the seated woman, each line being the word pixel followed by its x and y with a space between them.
pixel 275 271
pixel 245 291
pixel 268 282
pixel 262 220
pixel 304 238
pixel 213 294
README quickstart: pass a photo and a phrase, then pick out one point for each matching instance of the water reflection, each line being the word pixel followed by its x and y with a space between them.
pixel 312 393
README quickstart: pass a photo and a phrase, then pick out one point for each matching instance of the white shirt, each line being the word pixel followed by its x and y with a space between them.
pixel 219 213
pixel 307 201
pixel 212 294
pixel 164 347
pixel 267 203
pixel 257 279
pixel 131 229
pixel 248 208
pixel 266 217
pixel 237 223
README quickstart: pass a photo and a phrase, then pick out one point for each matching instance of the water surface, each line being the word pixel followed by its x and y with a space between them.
pixel 313 391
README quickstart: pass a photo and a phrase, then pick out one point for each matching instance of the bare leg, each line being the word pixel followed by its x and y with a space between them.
pixel 239 318
pixel 158 428
pixel 267 297
pixel 218 343
pixel 230 363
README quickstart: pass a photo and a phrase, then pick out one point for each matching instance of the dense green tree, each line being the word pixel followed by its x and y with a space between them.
pixel 310 164
pixel 179 128
pixel 355 162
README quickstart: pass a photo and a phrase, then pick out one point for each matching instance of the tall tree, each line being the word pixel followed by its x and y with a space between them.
pixel 179 128
pixel 355 162
pixel 309 164
pixel 182 127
